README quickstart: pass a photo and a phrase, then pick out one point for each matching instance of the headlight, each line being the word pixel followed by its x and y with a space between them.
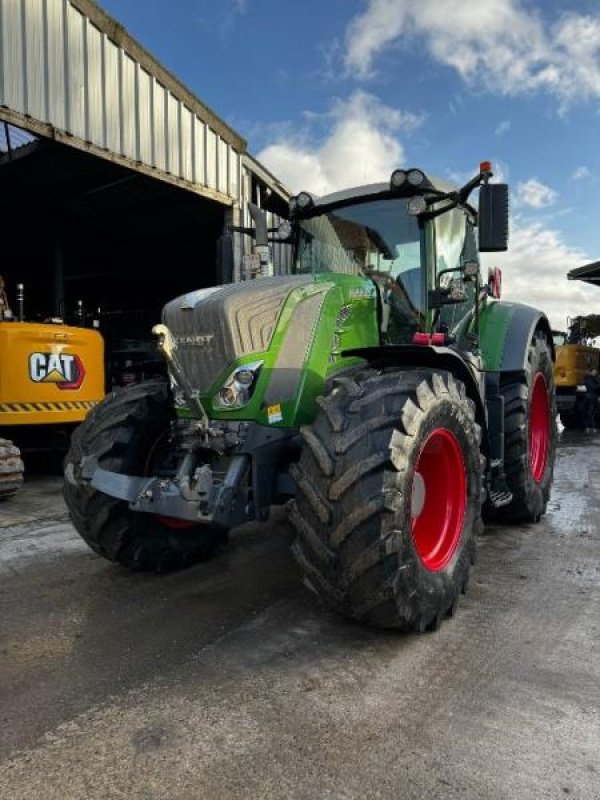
pixel 582 387
pixel 239 387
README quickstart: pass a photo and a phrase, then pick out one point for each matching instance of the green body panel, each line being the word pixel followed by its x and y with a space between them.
pixel 330 336
pixel 494 322
pixel 322 356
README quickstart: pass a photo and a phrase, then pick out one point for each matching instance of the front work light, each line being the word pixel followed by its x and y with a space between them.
pixel 304 200
pixel 284 231
pixel 416 205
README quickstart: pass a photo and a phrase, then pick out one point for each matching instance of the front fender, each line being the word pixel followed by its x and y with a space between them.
pixel 445 358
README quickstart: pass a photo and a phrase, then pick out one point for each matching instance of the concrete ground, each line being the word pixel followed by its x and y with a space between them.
pixel 229 681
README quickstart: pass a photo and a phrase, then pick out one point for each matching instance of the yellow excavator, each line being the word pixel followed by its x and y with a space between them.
pixel 577 356
pixel 51 375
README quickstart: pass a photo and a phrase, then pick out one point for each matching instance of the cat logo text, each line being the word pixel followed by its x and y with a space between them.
pixel 64 370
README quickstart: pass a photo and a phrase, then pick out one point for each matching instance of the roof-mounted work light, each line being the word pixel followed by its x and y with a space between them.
pixel 398 179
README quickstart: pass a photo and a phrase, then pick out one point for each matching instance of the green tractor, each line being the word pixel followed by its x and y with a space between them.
pixel 382 388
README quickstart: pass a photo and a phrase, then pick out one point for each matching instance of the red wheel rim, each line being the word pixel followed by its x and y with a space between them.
pixel 539 427
pixel 439 499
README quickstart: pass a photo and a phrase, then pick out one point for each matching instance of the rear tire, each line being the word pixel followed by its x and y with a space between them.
pixel 121 433
pixel 529 436
pixel 364 521
pixel 11 469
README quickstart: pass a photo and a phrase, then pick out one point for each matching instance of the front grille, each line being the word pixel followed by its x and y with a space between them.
pixel 343 316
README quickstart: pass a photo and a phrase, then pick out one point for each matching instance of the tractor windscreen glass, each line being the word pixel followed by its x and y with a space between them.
pixel 376 239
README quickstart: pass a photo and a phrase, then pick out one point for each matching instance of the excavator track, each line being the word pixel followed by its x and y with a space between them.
pixel 11 469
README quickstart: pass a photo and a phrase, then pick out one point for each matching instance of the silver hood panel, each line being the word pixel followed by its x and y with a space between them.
pixel 213 327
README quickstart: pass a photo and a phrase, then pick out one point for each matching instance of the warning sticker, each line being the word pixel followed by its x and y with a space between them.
pixel 274 414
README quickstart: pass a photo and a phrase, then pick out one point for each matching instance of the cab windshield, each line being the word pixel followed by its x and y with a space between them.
pixel 376 239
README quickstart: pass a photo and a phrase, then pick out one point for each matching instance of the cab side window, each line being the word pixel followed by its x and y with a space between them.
pixel 456 245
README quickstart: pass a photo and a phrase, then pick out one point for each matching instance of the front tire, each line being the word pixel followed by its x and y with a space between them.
pixel 122 432
pixel 389 497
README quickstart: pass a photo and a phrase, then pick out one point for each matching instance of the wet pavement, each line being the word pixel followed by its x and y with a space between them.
pixel 228 680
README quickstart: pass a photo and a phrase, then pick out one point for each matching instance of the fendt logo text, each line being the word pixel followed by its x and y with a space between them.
pixel 203 340
pixel 66 371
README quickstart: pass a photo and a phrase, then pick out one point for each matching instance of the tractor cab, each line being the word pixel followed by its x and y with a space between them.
pixel 414 239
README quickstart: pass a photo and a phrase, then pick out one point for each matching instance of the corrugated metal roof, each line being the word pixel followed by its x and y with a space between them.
pixel 12 138
pixel 71 72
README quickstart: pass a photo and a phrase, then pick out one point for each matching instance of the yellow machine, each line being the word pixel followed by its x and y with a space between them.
pixel 575 358
pixel 51 375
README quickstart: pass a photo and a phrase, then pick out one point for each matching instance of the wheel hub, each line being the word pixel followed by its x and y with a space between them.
pixel 418 496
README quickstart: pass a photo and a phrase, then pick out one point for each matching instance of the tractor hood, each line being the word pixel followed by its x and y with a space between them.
pixel 213 327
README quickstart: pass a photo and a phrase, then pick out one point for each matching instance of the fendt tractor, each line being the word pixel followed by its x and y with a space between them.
pixel 380 388
pixel 576 359
pixel 51 375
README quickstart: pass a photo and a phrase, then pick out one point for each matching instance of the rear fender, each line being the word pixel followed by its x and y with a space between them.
pixel 506 331
pixel 505 334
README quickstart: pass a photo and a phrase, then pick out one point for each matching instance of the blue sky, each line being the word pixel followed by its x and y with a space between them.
pixel 332 93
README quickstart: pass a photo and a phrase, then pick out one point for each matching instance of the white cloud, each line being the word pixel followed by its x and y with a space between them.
pixel 499 45
pixel 503 127
pixel 536 194
pixel 361 146
pixel 379 26
pixel 581 173
pixel 534 271
pixel 231 14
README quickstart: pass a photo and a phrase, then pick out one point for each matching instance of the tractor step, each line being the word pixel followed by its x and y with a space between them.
pixel 499 498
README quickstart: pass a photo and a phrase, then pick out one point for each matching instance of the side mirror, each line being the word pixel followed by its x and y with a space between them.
pixel 493 217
